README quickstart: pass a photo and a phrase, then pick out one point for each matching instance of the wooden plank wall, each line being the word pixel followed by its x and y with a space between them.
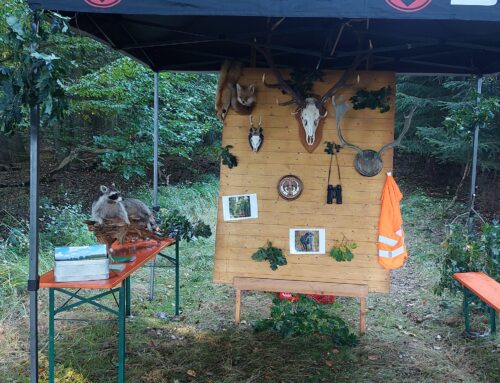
pixel 282 154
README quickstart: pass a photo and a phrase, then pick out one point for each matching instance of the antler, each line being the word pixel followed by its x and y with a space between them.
pixel 397 141
pixel 281 84
pixel 340 109
pixel 342 82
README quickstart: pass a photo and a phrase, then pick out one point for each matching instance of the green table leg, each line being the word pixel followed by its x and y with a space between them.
pixel 127 292
pixel 177 278
pixel 121 335
pixel 51 336
pixel 466 311
pixel 493 321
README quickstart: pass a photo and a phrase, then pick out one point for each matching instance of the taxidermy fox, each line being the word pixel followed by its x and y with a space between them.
pixel 232 94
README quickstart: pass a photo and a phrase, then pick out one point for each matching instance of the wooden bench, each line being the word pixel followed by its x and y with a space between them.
pixel 302 287
pixel 486 289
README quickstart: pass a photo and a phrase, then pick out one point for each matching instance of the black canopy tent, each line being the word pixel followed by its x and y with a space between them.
pixel 405 36
pixel 426 37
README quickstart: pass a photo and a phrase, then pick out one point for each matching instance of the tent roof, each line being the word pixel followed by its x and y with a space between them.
pixel 407 36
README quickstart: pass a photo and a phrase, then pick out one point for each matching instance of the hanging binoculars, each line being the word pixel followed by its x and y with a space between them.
pixel 334 193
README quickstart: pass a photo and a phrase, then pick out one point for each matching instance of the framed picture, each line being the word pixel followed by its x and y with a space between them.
pixel 307 241
pixel 238 207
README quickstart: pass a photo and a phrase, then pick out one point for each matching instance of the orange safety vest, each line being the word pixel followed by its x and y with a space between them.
pixel 391 240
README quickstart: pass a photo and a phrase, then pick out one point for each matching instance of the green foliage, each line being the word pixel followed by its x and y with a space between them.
pixel 342 250
pixel 372 99
pixel 272 254
pixel 63 225
pixel 446 117
pixel 464 253
pixel 30 71
pixel 177 224
pixel 228 159
pixel 305 318
pixel 122 92
pixel 302 81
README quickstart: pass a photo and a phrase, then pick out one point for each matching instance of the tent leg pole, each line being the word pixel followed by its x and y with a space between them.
pixel 155 178
pixel 33 281
pixel 472 195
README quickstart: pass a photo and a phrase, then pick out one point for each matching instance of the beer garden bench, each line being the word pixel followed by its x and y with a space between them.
pixel 485 288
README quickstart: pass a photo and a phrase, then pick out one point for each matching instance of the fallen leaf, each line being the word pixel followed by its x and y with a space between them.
pixel 191 373
pixel 329 363
pixel 373 357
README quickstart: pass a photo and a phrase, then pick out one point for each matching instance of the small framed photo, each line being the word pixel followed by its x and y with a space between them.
pixel 238 207
pixel 307 241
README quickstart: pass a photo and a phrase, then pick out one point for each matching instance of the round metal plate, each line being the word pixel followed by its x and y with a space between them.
pixel 290 187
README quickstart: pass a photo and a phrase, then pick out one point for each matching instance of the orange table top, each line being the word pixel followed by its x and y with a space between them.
pixel 482 285
pixel 143 251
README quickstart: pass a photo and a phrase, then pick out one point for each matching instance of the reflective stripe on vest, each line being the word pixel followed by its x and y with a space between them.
pixel 392 253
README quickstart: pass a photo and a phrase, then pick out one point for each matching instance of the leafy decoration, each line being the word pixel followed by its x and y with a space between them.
pixel 272 254
pixel 305 318
pixel 302 81
pixel 228 158
pixel 342 250
pixel 372 99
pixel 175 223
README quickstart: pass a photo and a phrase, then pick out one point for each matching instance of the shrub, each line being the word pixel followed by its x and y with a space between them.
pixel 464 253
pixel 306 317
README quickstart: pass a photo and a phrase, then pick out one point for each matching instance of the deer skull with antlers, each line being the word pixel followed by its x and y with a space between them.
pixel 310 111
pixel 368 162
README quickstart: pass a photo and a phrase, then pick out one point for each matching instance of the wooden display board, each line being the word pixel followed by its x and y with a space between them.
pixel 282 153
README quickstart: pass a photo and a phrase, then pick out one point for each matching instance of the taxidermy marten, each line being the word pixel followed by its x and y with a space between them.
pixel 232 94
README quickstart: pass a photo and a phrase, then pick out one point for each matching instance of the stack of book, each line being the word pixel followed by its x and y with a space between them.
pixel 80 263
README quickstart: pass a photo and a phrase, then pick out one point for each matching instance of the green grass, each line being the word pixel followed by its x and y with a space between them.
pixel 402 343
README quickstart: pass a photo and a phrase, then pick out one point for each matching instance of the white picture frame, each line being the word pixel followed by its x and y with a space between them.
pixel 307 240
pixel 240 207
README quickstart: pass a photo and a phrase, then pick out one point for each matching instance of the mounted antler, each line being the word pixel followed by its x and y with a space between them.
pixel 281 84
pixel 310 111
pixel 368 162
pixel 397 142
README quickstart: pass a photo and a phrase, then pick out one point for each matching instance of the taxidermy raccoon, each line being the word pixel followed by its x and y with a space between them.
pixel 231 94
pixel 109 206
pixel 139 212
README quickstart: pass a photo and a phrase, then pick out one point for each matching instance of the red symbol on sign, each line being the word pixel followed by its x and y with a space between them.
pixel 102 3
pixel 408 5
